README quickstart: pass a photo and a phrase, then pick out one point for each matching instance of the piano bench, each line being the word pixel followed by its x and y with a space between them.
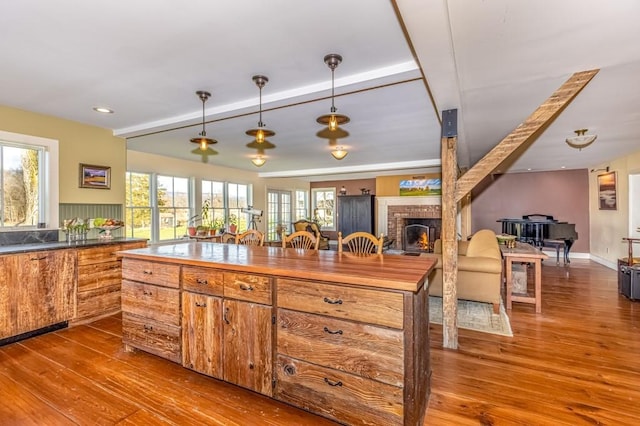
pixel 557 244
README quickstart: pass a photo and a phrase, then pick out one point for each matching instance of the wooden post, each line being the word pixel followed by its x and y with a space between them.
pixel 448 233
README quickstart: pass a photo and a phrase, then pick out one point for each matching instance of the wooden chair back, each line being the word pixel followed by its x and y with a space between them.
pixel 302 240
pixel 228 238
pixel 251 237
pixel 361 243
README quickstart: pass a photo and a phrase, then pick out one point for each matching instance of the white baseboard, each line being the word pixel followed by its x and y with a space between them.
pixel 604 262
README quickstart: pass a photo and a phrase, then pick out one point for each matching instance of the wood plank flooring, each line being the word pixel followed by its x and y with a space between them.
pixel 576 363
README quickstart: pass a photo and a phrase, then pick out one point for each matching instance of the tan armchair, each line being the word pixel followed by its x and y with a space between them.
pixel 310 226
pixel 479 269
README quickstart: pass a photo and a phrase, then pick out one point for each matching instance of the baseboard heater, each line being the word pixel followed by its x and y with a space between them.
pixel 33 333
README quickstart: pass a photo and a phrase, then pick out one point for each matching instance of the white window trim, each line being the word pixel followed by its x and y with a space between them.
pixel 314 207
pixel 51 173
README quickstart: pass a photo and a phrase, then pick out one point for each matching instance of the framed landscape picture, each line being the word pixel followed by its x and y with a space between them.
pixel 420 187
pixel 607 197
pixel 92 176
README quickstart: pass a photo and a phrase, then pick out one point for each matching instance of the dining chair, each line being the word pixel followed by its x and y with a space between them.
pixel 361 243
pixel 228 238
pixel 251 237
pixel 302 240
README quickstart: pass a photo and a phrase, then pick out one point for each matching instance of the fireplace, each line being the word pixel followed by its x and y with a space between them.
pixel 419 235
pixel 398 215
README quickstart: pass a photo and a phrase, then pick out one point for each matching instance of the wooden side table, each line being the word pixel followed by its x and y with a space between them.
pixel 523 252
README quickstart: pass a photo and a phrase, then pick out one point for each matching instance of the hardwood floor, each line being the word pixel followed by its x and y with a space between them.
pixel 576 363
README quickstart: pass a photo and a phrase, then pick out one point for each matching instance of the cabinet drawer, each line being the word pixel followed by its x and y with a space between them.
pixel 99 301
pixel 151 336
pixel 358 304
pixel 91 256
pixel 366 350
pixel 253 288
pixel 337 395
pixel 151 272
pixel 158 303
pixel 96 275
pixel 202 280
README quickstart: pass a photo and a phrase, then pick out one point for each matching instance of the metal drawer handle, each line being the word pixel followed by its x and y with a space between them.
pixel 224 317
pixel 147 293
pixel 332 383
pixel 289 370
pixel 201 281
pixel 246 287
pixel 326 330
pixel 148 328
pixel 147 271
pixel 333 301
pixel 39 258
pixel 201 305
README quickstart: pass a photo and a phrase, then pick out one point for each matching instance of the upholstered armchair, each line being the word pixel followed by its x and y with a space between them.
pixel 310 226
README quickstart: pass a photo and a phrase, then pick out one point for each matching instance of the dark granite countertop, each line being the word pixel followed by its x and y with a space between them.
pixel 56 245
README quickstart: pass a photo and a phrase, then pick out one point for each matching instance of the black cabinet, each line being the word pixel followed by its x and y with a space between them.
pixel 356 213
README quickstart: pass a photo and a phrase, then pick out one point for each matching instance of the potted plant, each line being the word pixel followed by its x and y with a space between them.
pixel 233 223
pixel 206 218
pixel 218 225
pixel 191 225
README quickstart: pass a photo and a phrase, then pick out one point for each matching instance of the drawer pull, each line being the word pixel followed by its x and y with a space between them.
pixel 39 258
pixel 333 301
pixel 147 271
pixel 326 330
pixel 148 328
pixel 332 383
pixel 147 293
pixel 201 281
pixel 201 305
pixel 246 287
pixel 289 370
pixel 224 317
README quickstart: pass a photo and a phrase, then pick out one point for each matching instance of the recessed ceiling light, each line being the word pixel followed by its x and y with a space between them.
pixel 103 110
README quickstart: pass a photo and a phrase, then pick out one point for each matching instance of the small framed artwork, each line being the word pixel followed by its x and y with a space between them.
pixel 607 197
pixel 92 176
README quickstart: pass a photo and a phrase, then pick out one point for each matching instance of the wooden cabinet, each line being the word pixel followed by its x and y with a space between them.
pixel 228 338
pixel 151 308
pixel 38 290
pixel 99 280
pixel 346 345
pixel 356 213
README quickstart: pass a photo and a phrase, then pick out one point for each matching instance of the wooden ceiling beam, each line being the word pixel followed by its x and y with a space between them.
pixel 537 121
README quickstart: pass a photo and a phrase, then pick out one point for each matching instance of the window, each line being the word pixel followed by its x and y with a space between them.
pixel 302 205
pixel 323 204
pixel 173 207
pixel 227 201
pixel 278 213
pixel 138 205
pixel 28 182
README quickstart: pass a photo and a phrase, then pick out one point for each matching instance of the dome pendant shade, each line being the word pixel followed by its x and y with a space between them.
pixel 333 120
pixel 260 133
pixel 258 161
pixel 339 153
pixel 203 140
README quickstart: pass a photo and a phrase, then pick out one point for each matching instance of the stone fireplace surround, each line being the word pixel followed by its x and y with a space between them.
pixel 392 212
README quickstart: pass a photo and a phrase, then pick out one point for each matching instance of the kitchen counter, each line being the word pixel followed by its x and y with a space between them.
pixel 57 245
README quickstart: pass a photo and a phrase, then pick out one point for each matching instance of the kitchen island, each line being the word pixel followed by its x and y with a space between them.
pixel 338 334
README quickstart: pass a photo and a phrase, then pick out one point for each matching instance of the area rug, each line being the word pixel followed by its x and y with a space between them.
pixel 474 316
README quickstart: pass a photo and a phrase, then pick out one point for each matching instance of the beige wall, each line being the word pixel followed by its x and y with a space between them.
pixel 608 227
pixel 78 143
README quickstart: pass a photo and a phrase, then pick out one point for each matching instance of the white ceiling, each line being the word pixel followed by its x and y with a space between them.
pixel 493 60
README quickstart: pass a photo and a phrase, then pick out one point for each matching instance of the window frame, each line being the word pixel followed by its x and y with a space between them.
pixel 315 209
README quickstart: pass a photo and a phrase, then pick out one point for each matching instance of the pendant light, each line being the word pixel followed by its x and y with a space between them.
pixel 580 140
pixel 261 133
pixel 203 140
pixel 339 153
pixel 258 160
pixel 333 120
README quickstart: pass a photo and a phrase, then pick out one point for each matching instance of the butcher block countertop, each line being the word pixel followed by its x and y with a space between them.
pixel 392 272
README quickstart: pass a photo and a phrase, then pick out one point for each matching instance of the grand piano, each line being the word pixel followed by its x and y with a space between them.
pixel 541 230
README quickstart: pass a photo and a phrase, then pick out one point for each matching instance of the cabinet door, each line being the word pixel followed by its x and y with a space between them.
pixel 8 293
pixel 355 213
pixel 47 284
pixel 247 345
pixel 202 333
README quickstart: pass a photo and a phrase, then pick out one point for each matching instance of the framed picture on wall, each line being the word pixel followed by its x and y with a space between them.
pixel 607 196
pixel 92 176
